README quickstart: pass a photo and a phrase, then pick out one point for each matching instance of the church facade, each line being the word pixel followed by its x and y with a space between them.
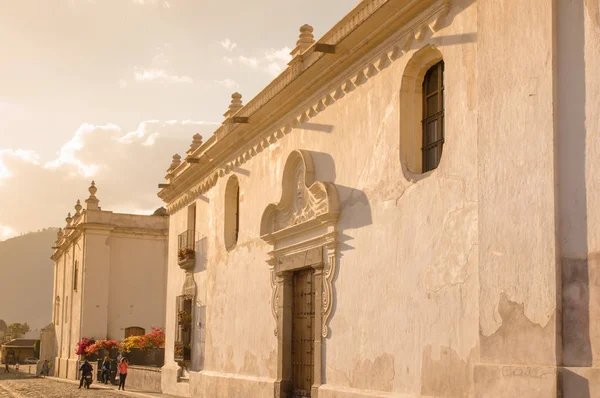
pixel 408 210
pixel 109 280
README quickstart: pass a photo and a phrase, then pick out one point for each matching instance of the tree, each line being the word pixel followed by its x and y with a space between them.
pixel 3 326
pixel 36 348
pixel 16 330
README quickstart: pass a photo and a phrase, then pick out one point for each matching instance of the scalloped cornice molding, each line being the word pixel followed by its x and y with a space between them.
pixel 184 186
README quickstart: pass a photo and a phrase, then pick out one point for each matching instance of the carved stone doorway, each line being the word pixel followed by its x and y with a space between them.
pixel 302 230
pixel 303 332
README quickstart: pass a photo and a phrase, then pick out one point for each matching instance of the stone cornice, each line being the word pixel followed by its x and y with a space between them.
pixel 106 229
pixel 367 40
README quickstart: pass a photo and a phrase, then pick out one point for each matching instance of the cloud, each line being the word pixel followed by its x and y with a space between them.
pixel 144 75
pixel 7 156
pixel 226 83
pixel 281 55
pixel 272 61
pixel 274 69
pixel 163 3
pixel 6 232
pixel 248 61
pixel 127 165
pixel 228 45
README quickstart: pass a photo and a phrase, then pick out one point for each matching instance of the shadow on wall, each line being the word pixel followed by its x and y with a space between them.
pixel 573 385
pixel 201 253
pixel 355 212
pixel 325 128
pixel 575 348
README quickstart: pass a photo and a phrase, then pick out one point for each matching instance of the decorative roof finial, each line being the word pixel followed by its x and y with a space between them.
pixel 69 219
pixel 305 40
pixel 196 142
pixel 60 233
pixel 92 201
pixel 174 163
pixel 236 105
pixel 78 208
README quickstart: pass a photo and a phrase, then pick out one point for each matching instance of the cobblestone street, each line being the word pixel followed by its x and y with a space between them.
pixel 26 386
pixel 21 385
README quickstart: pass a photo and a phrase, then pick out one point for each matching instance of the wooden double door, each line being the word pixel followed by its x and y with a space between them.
pixel 303 332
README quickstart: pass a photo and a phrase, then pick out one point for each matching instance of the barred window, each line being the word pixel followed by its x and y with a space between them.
pixel 433 116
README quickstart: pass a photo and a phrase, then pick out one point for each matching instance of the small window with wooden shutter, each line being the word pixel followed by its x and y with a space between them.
pixel 134 331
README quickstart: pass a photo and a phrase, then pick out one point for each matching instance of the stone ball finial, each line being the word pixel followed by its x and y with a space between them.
pixel 69 219
pixel 196 142
pixel 92 189
pixel 78 207
pixel 306 35
pixel 175 162
pixel 305 40
pixel 92 201
pixel 235 105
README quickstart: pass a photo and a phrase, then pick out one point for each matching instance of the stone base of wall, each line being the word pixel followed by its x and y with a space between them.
pixel 329 391
pixel 73 369
pixel 170 384
pixel 143 378
pixel 501 381
pixel 489 381
pixel 61 367
pixel 215 384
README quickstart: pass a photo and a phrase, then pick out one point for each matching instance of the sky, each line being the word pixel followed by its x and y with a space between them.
pixel 109 90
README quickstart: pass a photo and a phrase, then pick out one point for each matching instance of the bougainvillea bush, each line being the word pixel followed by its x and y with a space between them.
pixel 93 349
pixel 154 339
pixel 83 344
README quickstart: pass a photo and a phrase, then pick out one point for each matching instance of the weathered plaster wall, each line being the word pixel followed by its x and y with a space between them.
pixel 579 101
pixel 57 310
pixel 405 319
pixel 75 294
pixel 519 282
pixel 137 283
pixel 591 16
pixel 175 279
pixel 119 257
pixel 96 289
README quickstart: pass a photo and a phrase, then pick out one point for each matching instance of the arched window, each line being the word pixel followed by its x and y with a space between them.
pixel 433 117
pixel 422 132
pixel 232 212
pixel 134 331
pixel 75 276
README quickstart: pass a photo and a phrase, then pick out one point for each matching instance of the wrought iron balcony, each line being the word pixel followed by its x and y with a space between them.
pixel 186 249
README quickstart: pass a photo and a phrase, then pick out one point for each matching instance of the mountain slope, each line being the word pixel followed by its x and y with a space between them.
pixel 26 278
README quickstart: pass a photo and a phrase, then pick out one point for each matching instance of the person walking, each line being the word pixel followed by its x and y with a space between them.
pixel 45 368
pixel 6 368
pixel 106 370
pixel 123 365
pixel 17 367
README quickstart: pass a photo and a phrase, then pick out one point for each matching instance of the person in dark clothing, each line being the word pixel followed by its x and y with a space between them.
pixel 45 368
pixel 86 370
pixel 106 370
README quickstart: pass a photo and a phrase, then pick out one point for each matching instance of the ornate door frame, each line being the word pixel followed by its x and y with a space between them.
pixel 302 229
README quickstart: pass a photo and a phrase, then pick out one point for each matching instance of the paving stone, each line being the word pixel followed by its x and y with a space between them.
pixel 23 386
